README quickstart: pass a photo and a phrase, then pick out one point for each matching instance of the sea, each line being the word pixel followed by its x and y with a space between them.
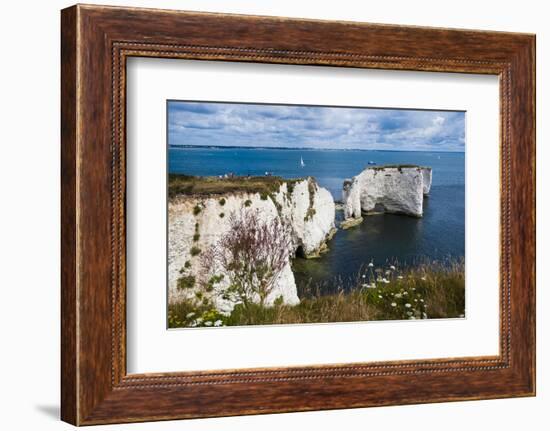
pixel 382 239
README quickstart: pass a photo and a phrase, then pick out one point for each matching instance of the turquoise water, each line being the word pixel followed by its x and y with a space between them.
pixel 380 238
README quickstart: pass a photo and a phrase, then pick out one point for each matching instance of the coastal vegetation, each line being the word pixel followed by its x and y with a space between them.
pixel 244 274
pixel 207 186
pixel 426 291
pixel 399 166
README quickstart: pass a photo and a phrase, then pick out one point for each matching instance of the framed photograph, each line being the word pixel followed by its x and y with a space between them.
pixel 265 215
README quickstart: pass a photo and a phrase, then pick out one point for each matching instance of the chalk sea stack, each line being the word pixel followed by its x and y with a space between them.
pixel 395 189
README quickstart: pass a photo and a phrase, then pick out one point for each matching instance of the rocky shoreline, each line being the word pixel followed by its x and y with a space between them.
pixel 199 210
pixel 196 222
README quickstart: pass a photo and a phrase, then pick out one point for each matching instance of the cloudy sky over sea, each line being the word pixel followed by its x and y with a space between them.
pixel 233 124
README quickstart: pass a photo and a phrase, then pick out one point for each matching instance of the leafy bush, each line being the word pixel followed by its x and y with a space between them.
pixel 195 251
pixel 196 210
pixel 186 282
pixel 215 279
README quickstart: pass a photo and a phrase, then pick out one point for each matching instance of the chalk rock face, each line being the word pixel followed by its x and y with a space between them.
pixel 198 222
pixel 311 210
pixel 390 189
pixel 426 180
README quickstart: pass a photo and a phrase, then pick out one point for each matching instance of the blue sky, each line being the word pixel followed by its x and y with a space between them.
pixel 201 123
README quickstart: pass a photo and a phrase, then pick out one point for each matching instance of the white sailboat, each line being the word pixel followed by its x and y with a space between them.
pixel 302 164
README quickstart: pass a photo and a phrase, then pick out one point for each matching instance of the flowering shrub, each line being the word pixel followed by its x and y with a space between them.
pixel 193 315
pixel 398 302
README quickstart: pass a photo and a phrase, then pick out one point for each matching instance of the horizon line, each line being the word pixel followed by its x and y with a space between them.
pixel 308 148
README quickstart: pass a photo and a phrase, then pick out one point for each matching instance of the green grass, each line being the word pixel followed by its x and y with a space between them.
pixel 399 167
pixel 427 291
pixel 205 186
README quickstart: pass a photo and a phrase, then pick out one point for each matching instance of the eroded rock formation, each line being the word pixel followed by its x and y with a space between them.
pixel 391 189
pixel 196 222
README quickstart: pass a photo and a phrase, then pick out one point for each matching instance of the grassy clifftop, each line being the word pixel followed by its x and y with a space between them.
pixel 192 185
pixel 396 166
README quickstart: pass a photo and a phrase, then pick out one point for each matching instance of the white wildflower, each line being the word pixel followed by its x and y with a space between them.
pixel 400 277
pixel 208 323
pixel 386 281
pixel 405 293
pixel 408 305
pixel 421 300
pixel 218 323
pixel 423 278
pixel 189 315
pixel 371 265
pixel 398 295
pixel 393 304
pixel 392 268
pixel 380 296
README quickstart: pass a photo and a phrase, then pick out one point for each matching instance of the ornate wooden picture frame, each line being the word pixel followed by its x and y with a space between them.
pixel 96 42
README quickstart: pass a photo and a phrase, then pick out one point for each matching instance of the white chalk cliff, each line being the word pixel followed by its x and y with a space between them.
pixel 426 179
pixel 389 189
pixel 309 208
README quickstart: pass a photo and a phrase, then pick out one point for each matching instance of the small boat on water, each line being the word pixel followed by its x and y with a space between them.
pixel 302 164
pixel 371 162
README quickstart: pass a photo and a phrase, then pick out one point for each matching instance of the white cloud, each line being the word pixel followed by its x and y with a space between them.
pixel 305 126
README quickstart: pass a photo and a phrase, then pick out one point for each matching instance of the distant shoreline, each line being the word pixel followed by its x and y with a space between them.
pixel 235 147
